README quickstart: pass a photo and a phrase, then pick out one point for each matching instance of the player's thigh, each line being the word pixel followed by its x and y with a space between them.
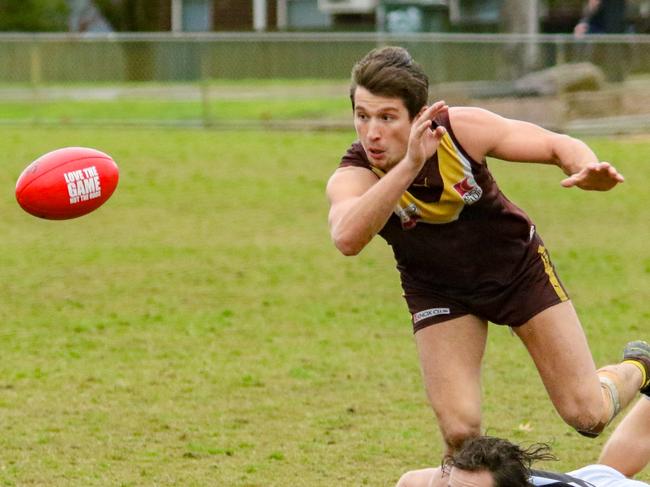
pixel 558 346
pixel 450 357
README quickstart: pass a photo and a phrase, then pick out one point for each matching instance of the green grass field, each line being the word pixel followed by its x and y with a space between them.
pixel 200 328
pixel 218 103
pixel 219 111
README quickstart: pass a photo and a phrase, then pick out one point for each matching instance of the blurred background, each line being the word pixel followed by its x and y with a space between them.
pixel 572 65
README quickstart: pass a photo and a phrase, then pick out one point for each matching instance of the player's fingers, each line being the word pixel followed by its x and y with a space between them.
pixel 569 182
pixel 439 106
pixel 421 127
pixel 593 168
pixel 439 132
pixel 432 111
pixel 614 174
pixel 605 169
pixel 423 121
pixel 436 106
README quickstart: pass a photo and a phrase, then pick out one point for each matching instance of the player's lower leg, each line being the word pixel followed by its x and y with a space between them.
pixel 620 383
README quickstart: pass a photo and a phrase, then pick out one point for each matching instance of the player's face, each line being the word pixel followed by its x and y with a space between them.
pixel 465 478
pixel 383 126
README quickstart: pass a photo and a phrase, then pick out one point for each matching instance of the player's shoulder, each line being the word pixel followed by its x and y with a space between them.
pixel 476 129
pixel 356 150
pixel 472 116
pixel 472 122
pixel 354 170
pixel 355 156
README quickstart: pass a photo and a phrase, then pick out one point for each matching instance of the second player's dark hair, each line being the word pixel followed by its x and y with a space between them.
pixel 508 463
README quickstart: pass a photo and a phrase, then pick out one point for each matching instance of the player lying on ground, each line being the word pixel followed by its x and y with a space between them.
pixel 492 462
pixel 418 177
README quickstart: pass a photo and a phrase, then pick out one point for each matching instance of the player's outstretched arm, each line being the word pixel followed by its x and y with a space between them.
pixel 628 449
pixel 484 133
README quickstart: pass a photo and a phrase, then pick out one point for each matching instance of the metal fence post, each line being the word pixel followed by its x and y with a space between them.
pixel 204 84
pixel 560 52
pixel 35 64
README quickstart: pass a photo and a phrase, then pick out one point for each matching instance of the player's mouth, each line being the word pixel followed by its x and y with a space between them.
pixel 376 153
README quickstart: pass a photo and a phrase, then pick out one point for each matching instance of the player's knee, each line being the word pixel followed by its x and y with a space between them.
pixel 455 435
pixel 588 422
pixel 591 431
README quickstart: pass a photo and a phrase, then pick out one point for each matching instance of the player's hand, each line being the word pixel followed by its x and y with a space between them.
pixel 596 176
pixel 423 140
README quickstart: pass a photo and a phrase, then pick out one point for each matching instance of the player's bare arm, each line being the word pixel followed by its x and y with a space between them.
pixel 628 449
pixel 484 133
pixel 361 203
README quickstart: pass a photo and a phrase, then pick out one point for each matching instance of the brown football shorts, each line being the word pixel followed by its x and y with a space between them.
pixel 534 288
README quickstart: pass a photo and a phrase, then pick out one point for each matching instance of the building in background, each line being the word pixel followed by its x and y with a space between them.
pixel 395 16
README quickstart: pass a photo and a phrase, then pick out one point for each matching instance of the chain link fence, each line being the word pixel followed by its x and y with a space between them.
pixel 551 79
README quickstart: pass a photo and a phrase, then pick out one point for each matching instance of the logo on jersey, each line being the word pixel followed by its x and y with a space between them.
pixel 469 190
pixel 409 215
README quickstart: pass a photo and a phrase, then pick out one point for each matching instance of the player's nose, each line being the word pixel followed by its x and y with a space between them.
pixel 374 130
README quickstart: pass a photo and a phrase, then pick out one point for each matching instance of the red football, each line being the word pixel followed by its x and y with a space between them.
pixel 67 183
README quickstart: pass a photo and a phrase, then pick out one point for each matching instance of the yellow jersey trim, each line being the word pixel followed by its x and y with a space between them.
pixel 459 189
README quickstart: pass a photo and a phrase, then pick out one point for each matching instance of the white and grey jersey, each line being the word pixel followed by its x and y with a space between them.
pixel 541 478
pixel 589 476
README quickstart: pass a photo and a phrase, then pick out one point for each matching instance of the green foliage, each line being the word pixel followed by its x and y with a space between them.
pixel 200 329
pixel 33 15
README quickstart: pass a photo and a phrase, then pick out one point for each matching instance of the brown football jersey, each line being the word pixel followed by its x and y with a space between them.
pixel 453 229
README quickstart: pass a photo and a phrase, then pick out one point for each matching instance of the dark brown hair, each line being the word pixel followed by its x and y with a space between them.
pixel 391 72
pixel 509 464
